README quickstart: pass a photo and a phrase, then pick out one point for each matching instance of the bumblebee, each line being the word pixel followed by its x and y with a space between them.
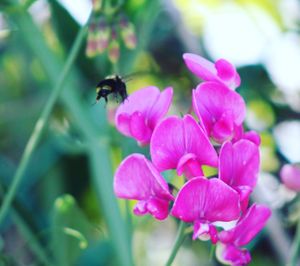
pixel 114 85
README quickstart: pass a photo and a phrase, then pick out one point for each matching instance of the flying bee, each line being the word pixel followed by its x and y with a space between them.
pixel 114 85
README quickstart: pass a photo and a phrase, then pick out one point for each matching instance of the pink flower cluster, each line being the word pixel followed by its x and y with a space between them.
pixel 218 207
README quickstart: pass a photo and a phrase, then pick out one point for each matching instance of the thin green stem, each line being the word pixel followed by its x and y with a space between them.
pixel 295 250
pixel 178 241
pixel 40 125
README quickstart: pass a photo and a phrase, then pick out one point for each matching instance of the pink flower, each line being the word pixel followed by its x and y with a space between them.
pixel 181 144
pixel 219 109
pixel 136 178
pixel 222 71
pixel 239 167
pixel 139 114
pixel 203 201
pixel 231 241
pixel 290 176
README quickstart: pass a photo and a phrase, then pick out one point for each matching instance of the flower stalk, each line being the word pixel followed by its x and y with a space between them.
pixel 178 241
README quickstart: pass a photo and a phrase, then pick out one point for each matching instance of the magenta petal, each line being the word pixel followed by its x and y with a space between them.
pixel 138 115
pixel 234 256
pixel 205 231
pixel 158 208
pixel 173 138
pixel 239 163
pixel 138 128
pixel 207 200
pixel 223 129
pixel 200 67
pixel 248 227
pixel 140 208
pixel 222 71
pixel 290 176
pixel 244 192
pixel 213 100
pixel 253 136
pixel 123 124
pixel 161 107
pixel 136 178
pixel 189 165
pixel 167 143
pixel 227 73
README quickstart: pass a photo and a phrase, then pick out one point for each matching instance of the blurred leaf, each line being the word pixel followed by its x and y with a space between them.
pixel 260 115
pixel 269 160
pixel 71 230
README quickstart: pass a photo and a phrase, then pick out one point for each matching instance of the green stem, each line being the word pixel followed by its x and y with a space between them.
pixel 295 249
pixel 40 125
pixel 178 241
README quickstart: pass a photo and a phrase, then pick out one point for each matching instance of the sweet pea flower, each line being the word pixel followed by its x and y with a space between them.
pixel 219 109
pixel 229 249
pixel 138 115
pixel 239 167
pixel 290 176
pixel 204 201
pixel 136 178
pixel 180 143
pixel 222 71
pixel 251 135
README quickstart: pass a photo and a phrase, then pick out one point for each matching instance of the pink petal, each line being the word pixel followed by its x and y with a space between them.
pixel 222 71
pixel 212 100
pixel 161 107
pixel 136 178
pixel 251 135
pixel 189 165
pixel 227 73
pixel 123 124
pixel 239 163
pixel 207 200
pixel 138 128
pixel 167 143
pixel 248 227
pixel 205 231
pixel 290 176
pixel 138 115
pixel 156 207
pixel 200 67
pixel 173 138
pixel 230 254
pixel 223 129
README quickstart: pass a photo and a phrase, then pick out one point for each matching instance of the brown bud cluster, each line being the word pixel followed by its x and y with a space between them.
pixel 104 34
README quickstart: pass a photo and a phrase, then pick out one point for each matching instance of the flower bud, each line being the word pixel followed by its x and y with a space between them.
pixel 103 34
pixel 128 36
pixel 114 47
pixel 114 51
pixel 91 48
pixel 96 5
pixel 127 32
pixel 290 176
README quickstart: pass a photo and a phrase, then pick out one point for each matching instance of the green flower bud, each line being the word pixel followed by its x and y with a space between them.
pixel 102 35
pixel 128 36
pixel 114 51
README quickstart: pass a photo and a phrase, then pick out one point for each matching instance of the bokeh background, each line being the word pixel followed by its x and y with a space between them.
pixel 64 211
